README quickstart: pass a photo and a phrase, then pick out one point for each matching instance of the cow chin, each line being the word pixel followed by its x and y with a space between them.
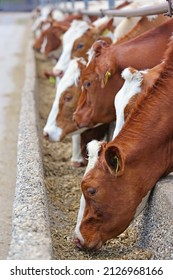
pixel 93 245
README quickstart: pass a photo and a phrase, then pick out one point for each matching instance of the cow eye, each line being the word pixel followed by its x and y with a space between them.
pixel 91 191
pixel 79 46
pixel 87 84
pixel 67 98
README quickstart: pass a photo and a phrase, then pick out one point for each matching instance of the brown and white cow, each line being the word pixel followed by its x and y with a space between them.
pixel 50 39
pixel 45 13
pixel 60 123
pixel 121 173
pixel 52 31
pixel 102 79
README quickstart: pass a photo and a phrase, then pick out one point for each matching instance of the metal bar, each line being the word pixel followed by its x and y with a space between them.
pixel 73 4
pixel 86 4
pixel 160 9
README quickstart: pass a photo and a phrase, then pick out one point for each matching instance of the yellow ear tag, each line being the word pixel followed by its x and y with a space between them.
pixel 107 76
pixel 105 32
pixel 52 80
pixel 117 163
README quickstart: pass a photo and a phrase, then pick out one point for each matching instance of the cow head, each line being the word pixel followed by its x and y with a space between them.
pixel 78 39
pixel 82 44
pixel 77 28
pixel 60 121
pixel 50 39
pixel 109 202
pixel 100 82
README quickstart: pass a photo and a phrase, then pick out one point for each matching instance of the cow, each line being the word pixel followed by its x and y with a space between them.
pixel 50 39
pixel 101 79
pixel 45 13
pixel 52 31
pixel 122 172
pixel 60 123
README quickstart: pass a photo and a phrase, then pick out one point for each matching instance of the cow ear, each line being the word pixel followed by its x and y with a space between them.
pixel 98 46
pixel 114 160
pixel 106 27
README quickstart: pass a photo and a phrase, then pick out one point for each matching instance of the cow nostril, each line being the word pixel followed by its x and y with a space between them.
pixel 58 73
pixel 45 134
pixel 78 243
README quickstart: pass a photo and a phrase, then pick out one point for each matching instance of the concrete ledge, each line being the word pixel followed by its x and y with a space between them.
pixel 156 222
pixel 30 226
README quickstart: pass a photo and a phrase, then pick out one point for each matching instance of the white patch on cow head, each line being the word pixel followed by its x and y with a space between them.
pixel 98 22
pixel 77 233
pixel 91 54
pixel 76 30
pixel 132 85
pixel 93 148
pixel 70 78
pixel 44 44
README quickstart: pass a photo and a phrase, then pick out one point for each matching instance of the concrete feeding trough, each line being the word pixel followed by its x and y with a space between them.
pixel 30 226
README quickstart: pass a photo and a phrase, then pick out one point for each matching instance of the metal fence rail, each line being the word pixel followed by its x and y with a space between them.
pixel 28 5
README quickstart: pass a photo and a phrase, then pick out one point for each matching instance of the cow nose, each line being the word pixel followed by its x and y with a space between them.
pixel 46 134
pixel 77 242
pixel 58 73
pixel 37 49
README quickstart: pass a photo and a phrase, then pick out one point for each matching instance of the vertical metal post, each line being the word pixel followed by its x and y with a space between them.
pixel 65 4
pixel 73 4
pixel 111 4
pixel 86 4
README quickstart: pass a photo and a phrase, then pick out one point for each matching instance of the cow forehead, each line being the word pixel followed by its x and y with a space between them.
pixel 93 149
pixel 76 30
pixel 91 54
pixel 71 75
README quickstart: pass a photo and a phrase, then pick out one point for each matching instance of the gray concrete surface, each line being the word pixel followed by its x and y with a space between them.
pixel 155 225
pixel 30 226
pixel 13 43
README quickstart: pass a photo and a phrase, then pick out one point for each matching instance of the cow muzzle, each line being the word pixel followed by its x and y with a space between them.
pixel 81 123
pixel 95 244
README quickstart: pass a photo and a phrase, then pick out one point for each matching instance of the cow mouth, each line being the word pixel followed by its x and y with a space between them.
pixel 92 246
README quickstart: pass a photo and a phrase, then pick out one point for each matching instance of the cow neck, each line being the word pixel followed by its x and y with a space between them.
pixel 138 52
pixel 146 138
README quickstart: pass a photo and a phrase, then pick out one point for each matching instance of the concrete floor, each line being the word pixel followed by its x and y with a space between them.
pixel 13 34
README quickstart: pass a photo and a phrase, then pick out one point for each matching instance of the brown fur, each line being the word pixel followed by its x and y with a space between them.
pixel 88 38
pixel 144 51
pixel 144 148
pixel 142 25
